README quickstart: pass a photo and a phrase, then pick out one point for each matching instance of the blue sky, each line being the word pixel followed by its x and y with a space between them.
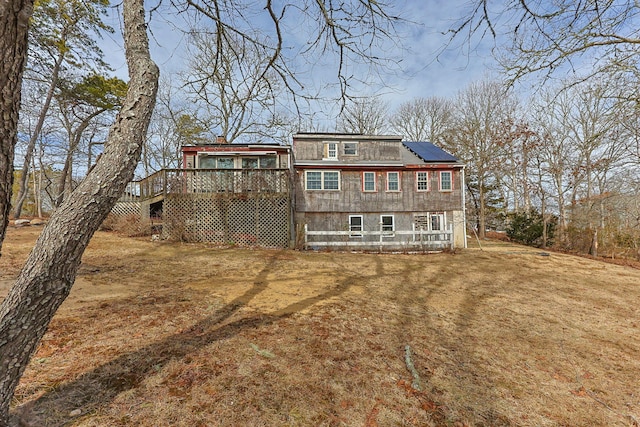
pixel 426 69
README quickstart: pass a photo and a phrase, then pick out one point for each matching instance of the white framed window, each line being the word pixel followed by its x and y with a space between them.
pixel 322 180
pixel 393 181
pixel 446 183
pixel 369 181
pixel 355 225
pixel 387 224
pixel 437 221
pixel 331 151
pixel 350 148
pixel 422 181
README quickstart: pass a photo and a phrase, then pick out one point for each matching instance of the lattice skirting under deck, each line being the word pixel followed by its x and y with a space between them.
pixel 245 220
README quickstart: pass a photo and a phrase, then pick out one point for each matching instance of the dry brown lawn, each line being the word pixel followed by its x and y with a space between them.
pixel 166 334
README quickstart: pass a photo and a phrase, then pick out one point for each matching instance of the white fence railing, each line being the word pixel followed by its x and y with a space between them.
pixel 410 239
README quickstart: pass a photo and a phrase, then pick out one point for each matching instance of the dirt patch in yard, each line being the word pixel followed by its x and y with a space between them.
pixel 165 334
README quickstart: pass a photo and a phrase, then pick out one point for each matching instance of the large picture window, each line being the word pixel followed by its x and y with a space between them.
pixel 268 162
pixel 207 162
pixel 249 163
pixel 215 162
pixel 322 180
pixel 225 163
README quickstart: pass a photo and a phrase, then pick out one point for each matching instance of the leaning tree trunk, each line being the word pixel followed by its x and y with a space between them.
pixel 14 24
pixel 50 270
pixel 23 188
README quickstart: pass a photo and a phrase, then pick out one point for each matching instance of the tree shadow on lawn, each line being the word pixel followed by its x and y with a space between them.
pixel 464 377
pixel 96 388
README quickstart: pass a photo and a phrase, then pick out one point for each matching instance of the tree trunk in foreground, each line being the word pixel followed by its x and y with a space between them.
pixel 50 270
pixel 14 25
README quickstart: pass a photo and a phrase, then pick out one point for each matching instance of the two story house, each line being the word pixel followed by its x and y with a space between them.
pixel 376 192
pixel 328 190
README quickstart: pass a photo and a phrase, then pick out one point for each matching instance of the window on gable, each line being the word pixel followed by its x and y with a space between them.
pixel 350 148
pixel 422 181
pixel 393 181
pixel 445 181
pixel 322 180
pixel 331 151
pixel 369 181
pixel 355 225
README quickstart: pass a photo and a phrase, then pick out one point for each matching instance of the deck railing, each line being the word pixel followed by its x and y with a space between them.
pixel 182 181
pixel 416 239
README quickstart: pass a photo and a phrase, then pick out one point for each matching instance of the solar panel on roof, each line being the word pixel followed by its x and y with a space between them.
pixel 429 152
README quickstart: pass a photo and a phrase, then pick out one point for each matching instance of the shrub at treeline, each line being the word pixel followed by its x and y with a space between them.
pixel 527 228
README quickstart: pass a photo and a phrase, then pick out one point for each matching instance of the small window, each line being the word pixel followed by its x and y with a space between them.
pixel 355 225
pixel 369 181
pixel 445 181
pixel 422 181
pixel 322 180
pixel 331 151
pixel 386 223
pixel 393 181
pixel 350 148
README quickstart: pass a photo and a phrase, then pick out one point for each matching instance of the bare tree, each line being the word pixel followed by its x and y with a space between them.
pixel 599 36
pixel 236 91
pixel 174 124
pixel 340 37
pixel 423 119
pixel 483 117
pixel 366 116
pixel 60 39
